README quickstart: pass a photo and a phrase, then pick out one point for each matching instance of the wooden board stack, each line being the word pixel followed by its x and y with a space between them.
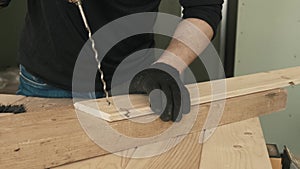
pixel 54 138
pixel 232 87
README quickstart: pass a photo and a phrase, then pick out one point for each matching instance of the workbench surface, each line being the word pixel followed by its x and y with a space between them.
pixel 239 145
pixel 50 134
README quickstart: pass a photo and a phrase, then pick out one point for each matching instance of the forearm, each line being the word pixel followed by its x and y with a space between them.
pixel 190 39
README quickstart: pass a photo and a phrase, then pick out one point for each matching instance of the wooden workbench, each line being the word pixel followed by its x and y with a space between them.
pixel 49 134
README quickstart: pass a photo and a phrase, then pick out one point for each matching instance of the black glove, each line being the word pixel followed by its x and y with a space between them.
pixel 165 78
pixel 4 3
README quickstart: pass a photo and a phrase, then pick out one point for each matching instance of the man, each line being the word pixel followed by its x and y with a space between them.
pixel 54 34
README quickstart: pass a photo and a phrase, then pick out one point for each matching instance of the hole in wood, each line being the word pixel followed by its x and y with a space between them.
pixel 237 146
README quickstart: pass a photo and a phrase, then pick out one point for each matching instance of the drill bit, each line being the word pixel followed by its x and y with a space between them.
pixel 79 4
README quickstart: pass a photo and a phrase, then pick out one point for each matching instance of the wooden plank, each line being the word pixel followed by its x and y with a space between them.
pixel 51 138
pixel 236 109
pixel 7 99
pixel 184 155
pixel 236 86
pixel 33 104
pixel 236 146
pixel 42 139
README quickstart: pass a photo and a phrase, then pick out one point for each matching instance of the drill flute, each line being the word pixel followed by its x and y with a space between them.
pixel 84 18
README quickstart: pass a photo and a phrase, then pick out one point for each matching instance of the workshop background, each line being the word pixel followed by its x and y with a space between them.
pixel 255 36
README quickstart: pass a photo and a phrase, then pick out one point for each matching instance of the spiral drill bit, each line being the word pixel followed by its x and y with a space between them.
pixel 79 4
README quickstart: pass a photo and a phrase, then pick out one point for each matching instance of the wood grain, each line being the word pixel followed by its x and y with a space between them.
pixel 55 137
pixel 236 109
pixel 236 146
pixel 49 135
pixel 6 99
pixel 227 88
pixel 184 155
pixel 34 104
pixel 43 139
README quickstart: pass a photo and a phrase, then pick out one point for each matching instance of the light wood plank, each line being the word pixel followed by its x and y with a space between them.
pixel 54 137
pixel 235 146
pixel 34 104
pixel 184 155
pixel 7 99
pixel 236 109
pixel 234 87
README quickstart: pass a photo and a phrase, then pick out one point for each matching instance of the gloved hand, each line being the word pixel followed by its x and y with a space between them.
pixel 4 3
pixel 165 78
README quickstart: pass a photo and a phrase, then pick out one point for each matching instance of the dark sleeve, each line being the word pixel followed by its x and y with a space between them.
pixel 207 10
pixel 4 3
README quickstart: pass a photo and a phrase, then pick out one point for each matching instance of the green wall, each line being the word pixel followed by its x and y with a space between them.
pixel 12 19
pixel 268 37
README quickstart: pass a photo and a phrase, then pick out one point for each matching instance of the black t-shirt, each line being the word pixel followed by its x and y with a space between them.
pixel 54 33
